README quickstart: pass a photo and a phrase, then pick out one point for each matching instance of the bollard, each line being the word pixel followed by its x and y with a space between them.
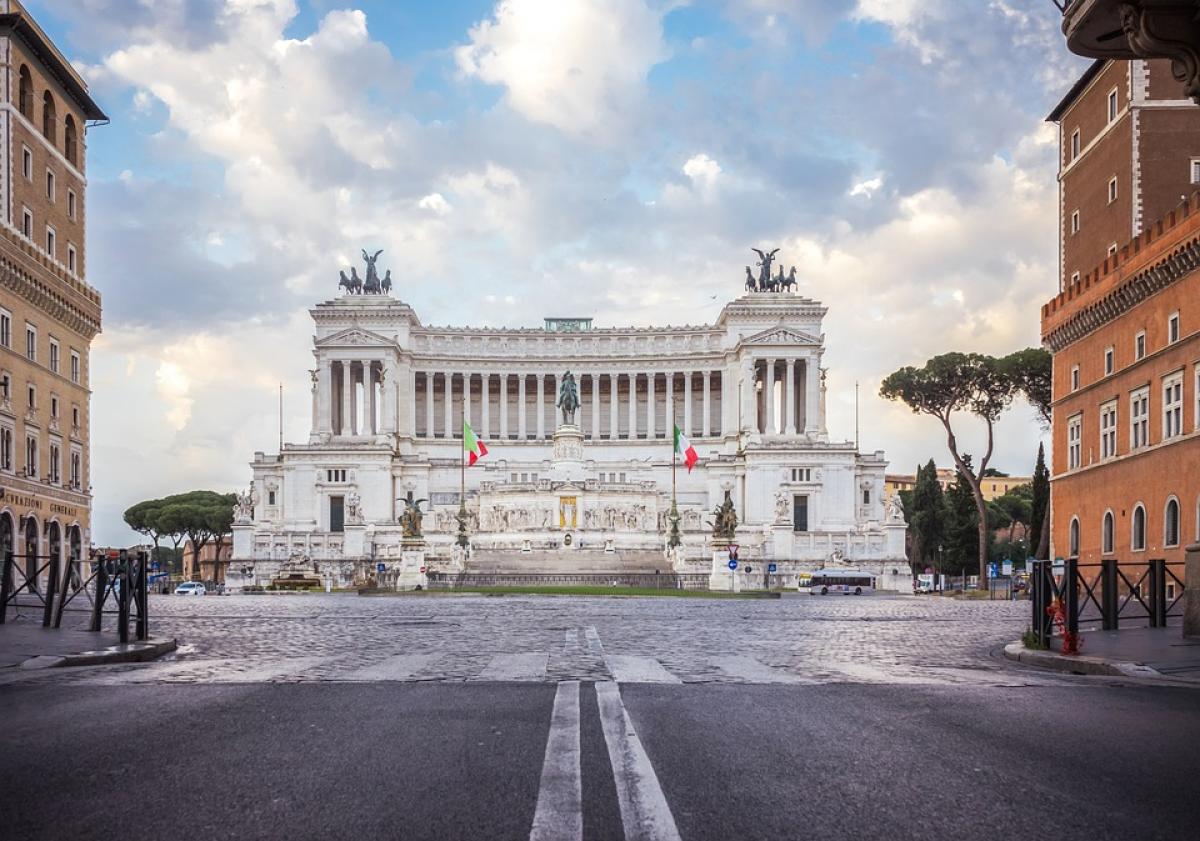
pixel 123 596
pixel 1109 600
pixel 51 591
pixel 1191 591
pixel 142 595
pixel 1158 593
pixel 101 591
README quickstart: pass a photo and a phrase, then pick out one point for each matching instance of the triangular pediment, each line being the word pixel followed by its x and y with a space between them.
pixel 781 335
pixel 355 336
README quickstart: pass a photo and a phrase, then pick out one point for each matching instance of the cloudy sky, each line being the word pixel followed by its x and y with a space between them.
pixel 619 155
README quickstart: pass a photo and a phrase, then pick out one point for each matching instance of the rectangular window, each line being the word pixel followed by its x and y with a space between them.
pixel 30 342
pixel 72 262
pixel 1108 430
pixel 27 223
pixel 51 239
pixel 53 407
pixel 5 387
pixel 1196 170
pixel 337 514
pixel 5 328
pixel 1139 345
pixel 1074 441
pixel 270 497
pixel 1075 378
pixel 1139 418
pixel 75 417
pixel 71 205
pixel 75 367
pixel 1075 144
pixel 27 163
pixel 801 474
pixel 800 513
pixel 55 469
pixel 1173 406
pixel 1112 249
pixel 31 463
pixel 76 469
pixel 54 356
pixel 6 449
pixel 50 185
pixel 1112 105
pixel 1109 356
pixel 1173 328
pixel 1075 221
pixel 31 397
pixel 1074 278
pixel 1112 189
pixel 866 497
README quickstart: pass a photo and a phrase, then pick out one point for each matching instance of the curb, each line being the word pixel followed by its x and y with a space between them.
pixel 131 652
pixel 1077 664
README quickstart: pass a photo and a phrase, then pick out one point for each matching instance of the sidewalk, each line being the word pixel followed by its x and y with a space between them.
pixel 24 643
pixel 1132 652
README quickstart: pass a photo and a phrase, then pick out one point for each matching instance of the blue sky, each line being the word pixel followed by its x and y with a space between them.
pixel 618 157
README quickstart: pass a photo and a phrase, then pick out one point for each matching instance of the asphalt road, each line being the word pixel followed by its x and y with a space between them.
pixel 1075 760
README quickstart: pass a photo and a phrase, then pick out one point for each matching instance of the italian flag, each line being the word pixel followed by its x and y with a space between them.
pixel 685 449
pixel 475 448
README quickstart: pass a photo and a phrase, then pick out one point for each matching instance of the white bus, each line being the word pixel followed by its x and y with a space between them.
pixel 847 582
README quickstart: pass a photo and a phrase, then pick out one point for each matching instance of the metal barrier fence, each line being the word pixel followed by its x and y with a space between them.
pixel 121 576
pixel 1108 592
pixel 660 581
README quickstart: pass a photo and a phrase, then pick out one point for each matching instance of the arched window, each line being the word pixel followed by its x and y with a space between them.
pixel 7 534
pixel 1074 538
pixel 25 95
pixel 71 140
pixel 32 545
pixel 49 118
pixel 1171 523
pixel 1139 528
pixel 1106 534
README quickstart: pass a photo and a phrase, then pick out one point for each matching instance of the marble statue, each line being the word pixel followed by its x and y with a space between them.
pixel 354 508
pixel 725 519
pixel 410 519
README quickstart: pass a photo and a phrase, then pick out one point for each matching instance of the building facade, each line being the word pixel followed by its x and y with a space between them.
pixel 390 395
pixel 992 487
pixel 48 312
pixel 1127 156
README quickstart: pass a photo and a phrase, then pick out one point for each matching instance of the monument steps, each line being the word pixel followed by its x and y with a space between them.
pixel 569 562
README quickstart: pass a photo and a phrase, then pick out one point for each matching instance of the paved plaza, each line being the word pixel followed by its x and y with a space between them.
pixel 796 639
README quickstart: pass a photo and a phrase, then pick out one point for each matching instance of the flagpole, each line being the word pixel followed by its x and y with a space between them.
pixel 462 476
pixel 673 535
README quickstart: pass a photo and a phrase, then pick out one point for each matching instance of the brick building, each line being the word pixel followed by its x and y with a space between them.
pixel 48 312
pixel 1128 154
pixel 212 562
pixel 1126 343
pixel 992 487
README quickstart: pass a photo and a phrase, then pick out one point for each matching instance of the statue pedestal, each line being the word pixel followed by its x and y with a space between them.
pixel 567 461
pixel 722 577
pixel 412 565
pixel 354 541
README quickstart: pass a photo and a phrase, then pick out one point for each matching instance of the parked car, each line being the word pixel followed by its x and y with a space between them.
pixel 191 588
pixel 923 587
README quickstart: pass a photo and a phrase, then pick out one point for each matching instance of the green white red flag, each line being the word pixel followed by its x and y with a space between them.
pixel 475 448
pixel 685 449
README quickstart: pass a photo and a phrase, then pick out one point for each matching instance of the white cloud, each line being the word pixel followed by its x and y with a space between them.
pixel 867 188
pixel 579 66
pixel 702 169
pixel 436 203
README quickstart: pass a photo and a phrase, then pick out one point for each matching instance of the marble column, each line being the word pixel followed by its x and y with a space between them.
pixel 325 385
pixel 521 428
pixel 706 411
pixel 749 399
pixel 769 427
pixel 541 406
pixel 651 431
pixel 812 385
pixel 613 410
pixel 466 398
pixel 429 430
pixel 633 429
pixel 595 406
pixel 503 405
pixel 448 408
pixel 669 406
pixel 485 397
pixel 347 399
pixel 687 402
pixel 790 424
pixel 370 427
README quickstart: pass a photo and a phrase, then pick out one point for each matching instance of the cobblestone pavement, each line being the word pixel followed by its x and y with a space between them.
pixel 795 640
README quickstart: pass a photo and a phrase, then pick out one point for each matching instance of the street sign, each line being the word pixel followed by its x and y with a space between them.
pixel 772 567
pixel 733 563
pixel 993 569
pixel 380 567
pixel 422 570
pixel 1008 567
pixel 748 570
pixel 733 551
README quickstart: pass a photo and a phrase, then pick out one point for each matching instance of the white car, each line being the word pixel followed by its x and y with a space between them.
pixel 191 588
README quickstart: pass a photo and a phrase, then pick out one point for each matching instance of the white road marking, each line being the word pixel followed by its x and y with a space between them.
pixel 644 810
pixel 399 667
pixel 593 638
pixel 559 813
pixel 571 639
pixel 752 671
pixel 515 667
pixel 626 668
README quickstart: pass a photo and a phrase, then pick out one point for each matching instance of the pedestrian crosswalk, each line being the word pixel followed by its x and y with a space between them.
pixel 581 656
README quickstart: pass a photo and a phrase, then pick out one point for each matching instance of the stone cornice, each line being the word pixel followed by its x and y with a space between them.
pixel 73 304
pixel 1130 292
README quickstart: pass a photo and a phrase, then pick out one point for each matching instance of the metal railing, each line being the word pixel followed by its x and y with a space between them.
pixel 1108 593
pixel 659 581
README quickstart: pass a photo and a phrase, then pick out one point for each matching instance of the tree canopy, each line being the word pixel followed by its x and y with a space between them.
pixel 200 516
